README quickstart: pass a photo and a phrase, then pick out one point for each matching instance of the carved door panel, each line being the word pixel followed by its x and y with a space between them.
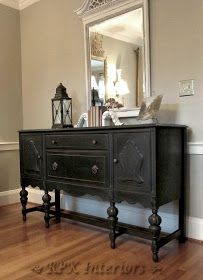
pixel 132 162
pixel 31 155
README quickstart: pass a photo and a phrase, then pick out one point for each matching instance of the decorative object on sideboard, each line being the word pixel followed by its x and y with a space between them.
pixel 61 108
pixel 95 116
pixel 111 103
pixel 83 121
pixel 146 114
pixel 150 107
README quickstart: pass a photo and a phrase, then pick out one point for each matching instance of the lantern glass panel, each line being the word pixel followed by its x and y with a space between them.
pixel 57 112
pixel 67 112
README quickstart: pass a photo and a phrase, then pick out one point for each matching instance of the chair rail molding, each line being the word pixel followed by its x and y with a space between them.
pixel 195 148
pixel 18 4
pixel 9 146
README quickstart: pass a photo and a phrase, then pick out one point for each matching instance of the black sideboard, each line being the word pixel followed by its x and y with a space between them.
pixel 143 163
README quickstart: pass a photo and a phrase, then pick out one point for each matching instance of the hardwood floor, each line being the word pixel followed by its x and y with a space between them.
pixel 69 250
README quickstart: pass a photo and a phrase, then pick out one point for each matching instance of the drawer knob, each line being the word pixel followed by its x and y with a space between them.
pixel 95 169
pixel 54 166
pixel 115 160
pixel 54 142
pixel 94 142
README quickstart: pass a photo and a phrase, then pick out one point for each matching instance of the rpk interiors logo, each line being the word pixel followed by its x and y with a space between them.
pixel 77 268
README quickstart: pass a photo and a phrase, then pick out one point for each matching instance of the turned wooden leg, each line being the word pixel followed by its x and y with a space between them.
pixel 112 212
pixel 23 199
pixel 155 221
pixel 57 205
pixel 46 199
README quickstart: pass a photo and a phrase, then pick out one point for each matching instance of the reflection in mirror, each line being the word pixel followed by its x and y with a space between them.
pixel 117 56
pixel 98 77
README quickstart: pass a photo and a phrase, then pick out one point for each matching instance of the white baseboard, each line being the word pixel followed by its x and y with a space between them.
pixel 195 228
pixel 9 197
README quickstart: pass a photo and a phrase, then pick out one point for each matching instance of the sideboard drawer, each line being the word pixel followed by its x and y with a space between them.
pixel 78 141
pixel 81 168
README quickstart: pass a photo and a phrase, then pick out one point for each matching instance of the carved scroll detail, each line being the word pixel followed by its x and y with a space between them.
pixel 131 161
pixel 90 6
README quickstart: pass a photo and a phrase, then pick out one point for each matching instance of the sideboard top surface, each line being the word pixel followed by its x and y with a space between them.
pixel 103 128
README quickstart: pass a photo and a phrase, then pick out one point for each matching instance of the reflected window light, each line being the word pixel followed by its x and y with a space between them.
pixel 94 84
pixel 121 86
pixel 101 87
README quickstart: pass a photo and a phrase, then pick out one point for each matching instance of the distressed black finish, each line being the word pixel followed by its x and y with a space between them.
pixel 143 163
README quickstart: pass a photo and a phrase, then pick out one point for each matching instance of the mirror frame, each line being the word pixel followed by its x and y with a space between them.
pixel 93 13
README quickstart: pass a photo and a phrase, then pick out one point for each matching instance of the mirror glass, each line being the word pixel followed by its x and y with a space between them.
pixel 117 59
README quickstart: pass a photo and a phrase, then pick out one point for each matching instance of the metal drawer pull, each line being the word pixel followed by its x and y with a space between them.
pixel 115 160
pixel 95 169
pixel 54 166
pixel 54 142
pixel 94 142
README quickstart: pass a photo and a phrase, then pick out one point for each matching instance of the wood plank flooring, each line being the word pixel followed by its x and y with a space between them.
pixel 69 250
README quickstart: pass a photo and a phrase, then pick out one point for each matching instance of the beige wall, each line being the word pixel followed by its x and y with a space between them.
pixel 10 95
pixel 52 52
pixel 177 54
pixel 9 170
pixel 10 74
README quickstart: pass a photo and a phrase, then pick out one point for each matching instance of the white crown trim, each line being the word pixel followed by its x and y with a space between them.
pixel 25 3
pixel 18 4
pixel 10 3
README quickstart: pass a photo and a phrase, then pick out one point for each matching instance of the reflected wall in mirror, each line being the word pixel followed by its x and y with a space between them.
pixel 98 70
pixel 117 51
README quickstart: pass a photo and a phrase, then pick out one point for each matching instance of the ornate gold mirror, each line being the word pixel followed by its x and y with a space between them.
pixel 117 51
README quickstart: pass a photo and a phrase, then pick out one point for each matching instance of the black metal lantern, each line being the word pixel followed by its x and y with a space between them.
pixel 61 108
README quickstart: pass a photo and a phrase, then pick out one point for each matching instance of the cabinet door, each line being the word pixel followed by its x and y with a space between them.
pixel 132 162
pixel 31 147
